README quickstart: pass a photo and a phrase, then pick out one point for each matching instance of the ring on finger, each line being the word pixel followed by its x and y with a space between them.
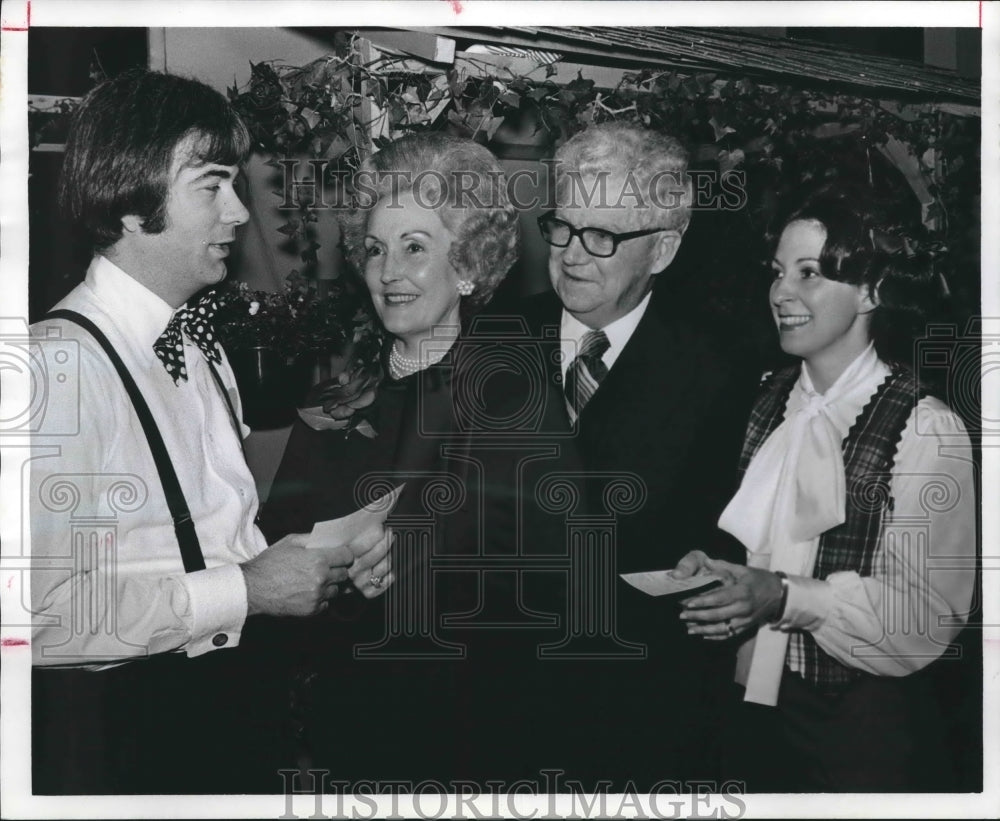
pixel 375 581
pixel 730 630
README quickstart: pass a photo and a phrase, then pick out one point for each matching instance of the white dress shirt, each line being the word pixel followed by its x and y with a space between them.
pixel 572 331
pixel 96 494
pixel 902 616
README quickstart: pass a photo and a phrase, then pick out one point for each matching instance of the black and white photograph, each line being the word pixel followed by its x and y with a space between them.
pixel 476 409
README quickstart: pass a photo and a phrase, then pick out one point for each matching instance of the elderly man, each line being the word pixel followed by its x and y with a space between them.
pixel 650 397
pixel 148 560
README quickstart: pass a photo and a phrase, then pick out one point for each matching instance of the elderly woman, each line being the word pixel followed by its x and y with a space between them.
pixel 431 253
pixel 433 234
pixel 858 513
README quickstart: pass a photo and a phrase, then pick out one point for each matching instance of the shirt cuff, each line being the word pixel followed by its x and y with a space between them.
pixel 809 603
pixel 218 602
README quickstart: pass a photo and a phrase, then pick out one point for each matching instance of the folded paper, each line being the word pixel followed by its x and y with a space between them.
pixel 664 583
pixel 347 529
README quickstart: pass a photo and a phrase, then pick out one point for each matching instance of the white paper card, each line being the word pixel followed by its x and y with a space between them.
pixel 663 582
pixel 346 529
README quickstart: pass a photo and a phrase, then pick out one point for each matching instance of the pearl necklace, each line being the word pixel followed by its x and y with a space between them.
pixel 401 366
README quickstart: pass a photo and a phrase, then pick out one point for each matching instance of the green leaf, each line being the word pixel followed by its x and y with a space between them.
pixel 488 94
pixel 457 86
pixel 309 254
pixel 337 147
pixel 705 81
pixel 310 116
pixel 436 95
pixel 491 125
pixel 458 124
pixel 580 86
pixel 690 88
pixel 423 88
pixel 397 112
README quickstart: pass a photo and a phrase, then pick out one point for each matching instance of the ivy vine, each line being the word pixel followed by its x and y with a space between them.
pixel 339 107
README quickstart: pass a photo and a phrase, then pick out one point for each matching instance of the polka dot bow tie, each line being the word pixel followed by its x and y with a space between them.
pixel 196 323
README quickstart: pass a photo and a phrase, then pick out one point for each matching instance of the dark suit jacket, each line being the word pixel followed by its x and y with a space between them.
pixel 671 413
pixel 464 708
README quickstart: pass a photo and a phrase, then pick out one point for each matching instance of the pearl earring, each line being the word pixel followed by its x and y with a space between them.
pixel 465 287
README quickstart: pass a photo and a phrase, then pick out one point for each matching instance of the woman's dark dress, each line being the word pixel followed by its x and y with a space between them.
pixel 466 702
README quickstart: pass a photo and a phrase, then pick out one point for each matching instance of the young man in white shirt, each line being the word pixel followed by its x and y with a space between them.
pixel 137 686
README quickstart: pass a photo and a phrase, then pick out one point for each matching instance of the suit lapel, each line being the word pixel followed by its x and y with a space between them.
pixel 651 348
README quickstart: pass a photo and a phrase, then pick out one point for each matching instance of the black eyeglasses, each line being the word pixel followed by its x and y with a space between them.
pixel 596 241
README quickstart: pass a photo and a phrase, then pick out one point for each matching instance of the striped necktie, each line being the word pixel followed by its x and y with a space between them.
pixel 585 372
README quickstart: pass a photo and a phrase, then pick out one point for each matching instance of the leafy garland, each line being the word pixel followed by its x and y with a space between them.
pixel 336 107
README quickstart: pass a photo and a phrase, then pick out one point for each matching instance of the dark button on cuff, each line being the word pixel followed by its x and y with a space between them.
pixel 219 639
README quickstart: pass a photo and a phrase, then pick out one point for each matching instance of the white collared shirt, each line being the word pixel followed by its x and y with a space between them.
pixel 572 331
pixel 130 595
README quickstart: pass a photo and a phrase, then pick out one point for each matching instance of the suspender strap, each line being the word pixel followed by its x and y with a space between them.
pixel 187 538
pixel 229 404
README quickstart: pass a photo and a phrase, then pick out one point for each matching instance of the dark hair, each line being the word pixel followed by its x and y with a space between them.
pixel 468 189
pixel 858 251
pixel 121 145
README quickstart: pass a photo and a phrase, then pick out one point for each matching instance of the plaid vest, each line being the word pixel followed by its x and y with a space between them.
pixel 869 454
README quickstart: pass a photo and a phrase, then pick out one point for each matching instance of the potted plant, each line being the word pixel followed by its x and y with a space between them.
pixel 277 341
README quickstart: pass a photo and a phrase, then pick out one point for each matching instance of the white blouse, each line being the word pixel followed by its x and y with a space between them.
pixel 904 615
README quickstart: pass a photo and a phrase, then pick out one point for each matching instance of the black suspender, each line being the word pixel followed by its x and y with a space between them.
pixel 229 405
pixel 187 538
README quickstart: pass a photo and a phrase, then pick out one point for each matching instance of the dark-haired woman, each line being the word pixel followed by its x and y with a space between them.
pixel 858 512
